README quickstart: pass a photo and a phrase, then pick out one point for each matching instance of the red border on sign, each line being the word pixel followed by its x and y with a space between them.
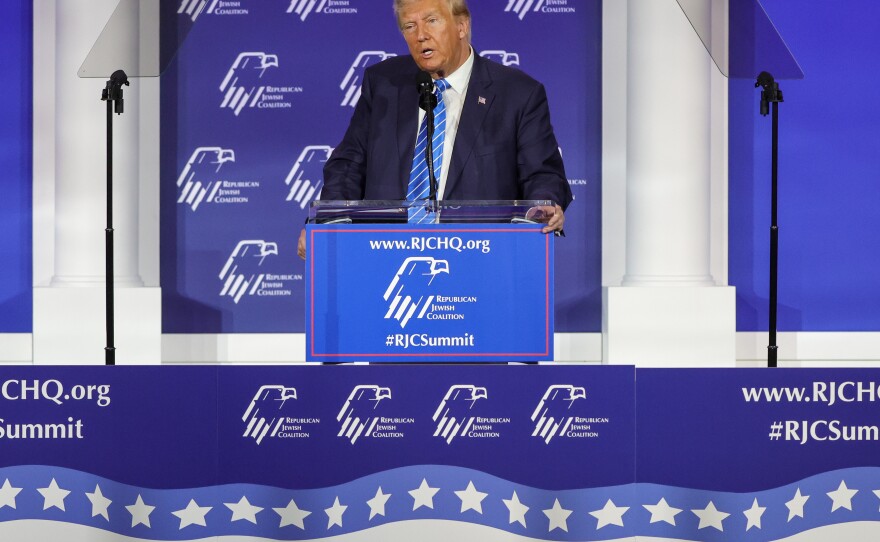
pixel 387 355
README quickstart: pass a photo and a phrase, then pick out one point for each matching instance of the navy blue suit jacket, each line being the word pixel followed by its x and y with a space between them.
pixel 504 149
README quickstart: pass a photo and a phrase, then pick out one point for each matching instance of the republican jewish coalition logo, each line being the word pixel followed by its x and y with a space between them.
pixel 304 8
pixel 501 57
pixel 266 413
pixel 242 275
pixel 241 86
pixel 452 416
pixel 306 178
pixel 408 291
pixel 357 415
pixel 197 182
pixel 351 85
pixel 552 416
pixel 522 7
pixel 194 8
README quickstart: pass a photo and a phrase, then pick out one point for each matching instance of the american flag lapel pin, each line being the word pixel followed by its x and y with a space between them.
pixel 481 100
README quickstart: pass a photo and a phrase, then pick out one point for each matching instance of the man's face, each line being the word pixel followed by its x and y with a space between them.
pixel 436 39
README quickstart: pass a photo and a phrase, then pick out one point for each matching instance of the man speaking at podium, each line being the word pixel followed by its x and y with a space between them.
pixel 492 141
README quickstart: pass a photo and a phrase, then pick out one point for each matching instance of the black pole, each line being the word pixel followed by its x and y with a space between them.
pixel 112 94
pixel 771 95
pixel 773 349
pixel 427 102
pixel 429 159
pixel 110 349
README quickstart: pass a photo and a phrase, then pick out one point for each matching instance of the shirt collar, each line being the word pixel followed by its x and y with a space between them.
pixel 458 79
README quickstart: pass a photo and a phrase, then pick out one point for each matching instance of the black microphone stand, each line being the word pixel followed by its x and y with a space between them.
pixel 429 158
pixel 772 95
pixel 428 101
pixel 112 94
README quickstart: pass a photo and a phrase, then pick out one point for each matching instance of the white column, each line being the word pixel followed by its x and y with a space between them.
pixel 69 312
pixel 668 310
pixel 668 146
pixel 80 171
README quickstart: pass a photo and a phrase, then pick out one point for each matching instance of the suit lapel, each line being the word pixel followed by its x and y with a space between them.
pixel 477 103
pixel 407 119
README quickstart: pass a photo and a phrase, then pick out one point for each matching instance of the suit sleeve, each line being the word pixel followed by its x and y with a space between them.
pixel 541 171
pixel 345 170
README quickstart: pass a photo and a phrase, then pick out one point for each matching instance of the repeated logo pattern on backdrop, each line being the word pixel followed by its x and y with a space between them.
pixel 194 8
pixel 198 182
pixel 261 92
pixel 525 7
pixel 358 414
pixel 306 178
pixel 241 275
pixel 351 85
pixel 453 416
pixel 553 416
pixel 241 87
pixel 265 415
pixel 304 8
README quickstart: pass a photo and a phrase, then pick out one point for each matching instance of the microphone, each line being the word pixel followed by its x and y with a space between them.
pixel 425 86
pixel 428 101
pixel 764 80
pixel 771 92
pixel 113 91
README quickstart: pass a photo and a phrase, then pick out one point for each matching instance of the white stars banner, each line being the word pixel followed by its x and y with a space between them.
pixel 450 494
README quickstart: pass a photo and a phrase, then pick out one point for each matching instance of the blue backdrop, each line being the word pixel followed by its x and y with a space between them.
pixel 262 91
pixel 829 158
pixel 16 35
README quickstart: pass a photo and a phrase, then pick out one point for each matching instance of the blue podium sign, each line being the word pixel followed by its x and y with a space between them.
pixel 447 292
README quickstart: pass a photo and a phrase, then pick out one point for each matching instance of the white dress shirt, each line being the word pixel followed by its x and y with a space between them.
pixel 453 97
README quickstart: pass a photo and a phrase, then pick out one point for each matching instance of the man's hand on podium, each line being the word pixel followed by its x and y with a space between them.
pixel 553 217
pixel 301 245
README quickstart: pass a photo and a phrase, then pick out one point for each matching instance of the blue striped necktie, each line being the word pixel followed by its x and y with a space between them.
pixel 419 183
